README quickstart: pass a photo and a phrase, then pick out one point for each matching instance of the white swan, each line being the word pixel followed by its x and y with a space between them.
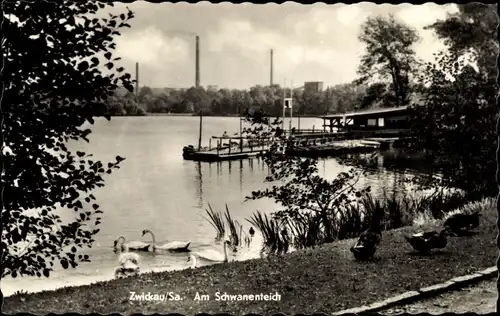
pixel 128 265
pixel 209 255
pixel 133 245
pixel 173 246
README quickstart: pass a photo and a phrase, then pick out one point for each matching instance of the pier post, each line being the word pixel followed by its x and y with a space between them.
pixel 201 129
pixel 209 144
pixel 218 146
pixel 241 128
pixel 229 152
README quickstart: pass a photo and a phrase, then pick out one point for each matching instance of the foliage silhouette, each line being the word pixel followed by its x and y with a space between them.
pixel 299 189
pixel 55 84
pixel 455 122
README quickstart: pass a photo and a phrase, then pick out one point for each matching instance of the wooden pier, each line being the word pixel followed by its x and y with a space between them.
pixel 356 132
pixel 318 145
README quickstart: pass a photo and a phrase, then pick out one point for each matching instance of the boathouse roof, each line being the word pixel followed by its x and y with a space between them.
pixel 369 112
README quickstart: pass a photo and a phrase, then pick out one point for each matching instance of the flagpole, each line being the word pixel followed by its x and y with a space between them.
pixel 284 97
pixel 291 106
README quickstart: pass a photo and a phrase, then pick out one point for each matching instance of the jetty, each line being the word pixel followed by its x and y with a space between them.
pixel 354 132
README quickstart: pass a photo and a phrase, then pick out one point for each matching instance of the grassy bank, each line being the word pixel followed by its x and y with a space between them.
pixel 323 279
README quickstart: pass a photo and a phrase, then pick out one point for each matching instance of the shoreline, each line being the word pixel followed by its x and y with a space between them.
pixel 196 115
pixel 323 279
pixel 94 279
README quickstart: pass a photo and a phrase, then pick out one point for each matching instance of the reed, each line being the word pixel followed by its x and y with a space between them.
pixel 224 222
pixel 269 228
pixel 474 206
pixel 233 228
pixel 309 229
pixel 217 221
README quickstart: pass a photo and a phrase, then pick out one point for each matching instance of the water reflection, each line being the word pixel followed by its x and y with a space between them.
pixel 250 175
pixel 199 179
pixel 241 175
pixel 212 177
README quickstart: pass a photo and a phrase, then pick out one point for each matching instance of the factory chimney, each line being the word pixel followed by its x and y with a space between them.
pixel 197 80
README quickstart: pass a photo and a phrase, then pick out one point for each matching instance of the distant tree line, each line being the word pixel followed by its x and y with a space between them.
pixel 226 102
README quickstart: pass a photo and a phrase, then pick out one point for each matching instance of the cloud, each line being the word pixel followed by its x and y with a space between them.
pixel 425 14
pixel 149 46
pixel 313 42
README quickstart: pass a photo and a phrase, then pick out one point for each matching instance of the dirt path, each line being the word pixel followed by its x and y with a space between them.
pixel 479 298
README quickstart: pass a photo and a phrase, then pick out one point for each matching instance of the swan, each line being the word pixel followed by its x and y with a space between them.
pixel 174 246
pixel 128 265
pixel 133 245
pixel 209 255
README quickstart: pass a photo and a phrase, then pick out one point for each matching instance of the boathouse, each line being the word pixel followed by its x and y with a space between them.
pixel 383 121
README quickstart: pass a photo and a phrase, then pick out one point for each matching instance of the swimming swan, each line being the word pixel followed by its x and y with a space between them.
pixel 174 246
pixel 132 245
pixel 209 255
pixel 128 265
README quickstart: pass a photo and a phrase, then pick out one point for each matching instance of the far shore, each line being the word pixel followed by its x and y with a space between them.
pixel 324 279
pixel 196 114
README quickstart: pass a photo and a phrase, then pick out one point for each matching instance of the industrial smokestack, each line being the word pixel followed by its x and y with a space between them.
pixel 137 79
pixel 271 67
pixel 197 82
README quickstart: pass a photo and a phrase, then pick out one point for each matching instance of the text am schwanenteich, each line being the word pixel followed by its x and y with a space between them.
pixel 224 296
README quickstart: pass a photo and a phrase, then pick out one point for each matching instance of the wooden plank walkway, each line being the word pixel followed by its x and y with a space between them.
pixel 326 149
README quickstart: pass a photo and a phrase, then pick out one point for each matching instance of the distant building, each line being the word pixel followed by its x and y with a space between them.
pixel 313 86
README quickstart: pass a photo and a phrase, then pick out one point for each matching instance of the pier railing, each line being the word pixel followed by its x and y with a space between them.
pixel 227 145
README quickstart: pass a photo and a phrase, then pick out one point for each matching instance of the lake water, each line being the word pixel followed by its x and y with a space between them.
pixel 156 189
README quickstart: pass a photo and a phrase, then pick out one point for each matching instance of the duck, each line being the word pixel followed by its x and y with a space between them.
pixel 251 231
pixel 459 223
pixel 128 265
pixel 365 247
pixel 424 242
pixel 209 255
pixel 131 245
pixel 173 246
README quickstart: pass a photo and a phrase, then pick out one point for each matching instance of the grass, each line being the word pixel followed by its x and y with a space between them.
pixel 321 279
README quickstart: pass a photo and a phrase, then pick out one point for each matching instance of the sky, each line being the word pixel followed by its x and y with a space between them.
pixel 310 42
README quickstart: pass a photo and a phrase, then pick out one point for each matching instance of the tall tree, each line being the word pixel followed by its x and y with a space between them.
pixel 54 84
pixel 472 30
pixel 389 55
pixel 457 119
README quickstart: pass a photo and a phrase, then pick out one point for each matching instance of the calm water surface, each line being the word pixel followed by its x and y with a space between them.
pixel 156 189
